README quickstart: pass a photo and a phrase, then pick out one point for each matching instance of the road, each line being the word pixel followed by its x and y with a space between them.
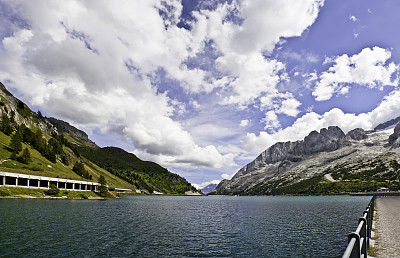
pixel 387 226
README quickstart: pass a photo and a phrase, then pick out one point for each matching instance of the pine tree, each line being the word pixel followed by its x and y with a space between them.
pixel 6 126
pixel 64 159
pixel 55 145
pixel 38 142
pixel 103 190
pixel 25 157
pixel 49 154
pixel 40 115
pixel 79 169
pixel 27 134
pixel 15 143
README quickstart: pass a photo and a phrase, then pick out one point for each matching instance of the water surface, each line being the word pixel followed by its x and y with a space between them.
pixel 179 226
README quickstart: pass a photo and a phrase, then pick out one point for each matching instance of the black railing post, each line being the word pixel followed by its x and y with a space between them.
pixel 363 235
pixel 355 253
pixel 366 215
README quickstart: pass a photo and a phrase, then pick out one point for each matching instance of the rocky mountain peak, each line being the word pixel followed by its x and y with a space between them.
pixel 333 133
pixel 285 157
pixel 63 126
pixel 357 134
pixel 328 139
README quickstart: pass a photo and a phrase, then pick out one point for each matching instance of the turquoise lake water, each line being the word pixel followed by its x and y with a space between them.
pixel 179 226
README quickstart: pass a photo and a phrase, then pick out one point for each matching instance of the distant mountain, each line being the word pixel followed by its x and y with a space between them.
pixel 324 162
pixel 209 188
pixel 387 124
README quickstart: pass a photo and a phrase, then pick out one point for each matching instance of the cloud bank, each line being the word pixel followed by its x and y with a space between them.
pixel 97 65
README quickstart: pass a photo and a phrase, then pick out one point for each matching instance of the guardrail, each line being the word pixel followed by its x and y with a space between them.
pixel 358 241
pixel 387 194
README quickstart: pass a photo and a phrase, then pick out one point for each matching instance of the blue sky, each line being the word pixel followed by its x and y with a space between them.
pixel 202 87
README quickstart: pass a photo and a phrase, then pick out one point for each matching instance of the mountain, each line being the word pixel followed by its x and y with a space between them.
pixel 387 124
pixel 65 127
pixel 209 188
pixel 324 162
pixel 20 113
pixel 47 153
pixel 58 149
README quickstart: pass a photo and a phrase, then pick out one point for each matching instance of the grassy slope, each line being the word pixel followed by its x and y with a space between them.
pixel 40 193
pixel 143 174
pixel 42 167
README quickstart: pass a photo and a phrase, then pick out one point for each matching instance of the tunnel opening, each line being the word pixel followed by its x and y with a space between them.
pixel 11 180
pixel 22 181
pixel 34 182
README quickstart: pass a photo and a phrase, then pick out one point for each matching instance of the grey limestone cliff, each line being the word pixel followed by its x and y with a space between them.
pixel 309 157
pixel 327 140
pixel 357 134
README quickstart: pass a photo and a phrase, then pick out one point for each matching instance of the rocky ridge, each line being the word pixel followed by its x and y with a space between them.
pixel 63 126
pixel 20 112
pixel 319 152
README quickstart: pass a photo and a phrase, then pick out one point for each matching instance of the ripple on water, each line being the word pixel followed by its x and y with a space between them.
pixel 165 226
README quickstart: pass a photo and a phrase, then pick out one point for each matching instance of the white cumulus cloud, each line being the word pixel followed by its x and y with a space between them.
pixel 370 67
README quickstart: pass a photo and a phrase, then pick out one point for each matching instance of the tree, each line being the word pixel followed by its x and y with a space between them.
pixel 64 159
pixel 79 169
pixel 6 126
pixel 49 154
pixel 15 143
pixel 55 145
pixel 27 134
pixel 25 157
pixel 103 189
pixel 21 105
pixel 38 142
pixel 53 190
pixel 40 115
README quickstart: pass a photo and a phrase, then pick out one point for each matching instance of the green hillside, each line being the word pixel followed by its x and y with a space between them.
pixel 42 166
pixel 143 174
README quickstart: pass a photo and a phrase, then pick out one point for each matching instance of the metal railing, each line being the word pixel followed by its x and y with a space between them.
pixel 387 194
pixel 358 241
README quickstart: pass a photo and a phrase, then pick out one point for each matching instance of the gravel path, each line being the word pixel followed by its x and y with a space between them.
pixel 387 226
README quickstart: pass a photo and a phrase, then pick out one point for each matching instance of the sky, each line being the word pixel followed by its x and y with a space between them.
pixel 203 87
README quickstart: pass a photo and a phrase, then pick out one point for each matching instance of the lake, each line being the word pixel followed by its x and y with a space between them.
pixel 179 226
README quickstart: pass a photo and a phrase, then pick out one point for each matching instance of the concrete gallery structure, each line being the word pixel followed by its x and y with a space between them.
pixel 42 182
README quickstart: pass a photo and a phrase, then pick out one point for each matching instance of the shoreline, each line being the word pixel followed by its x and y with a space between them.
pixel 24 196
pixel 30 193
